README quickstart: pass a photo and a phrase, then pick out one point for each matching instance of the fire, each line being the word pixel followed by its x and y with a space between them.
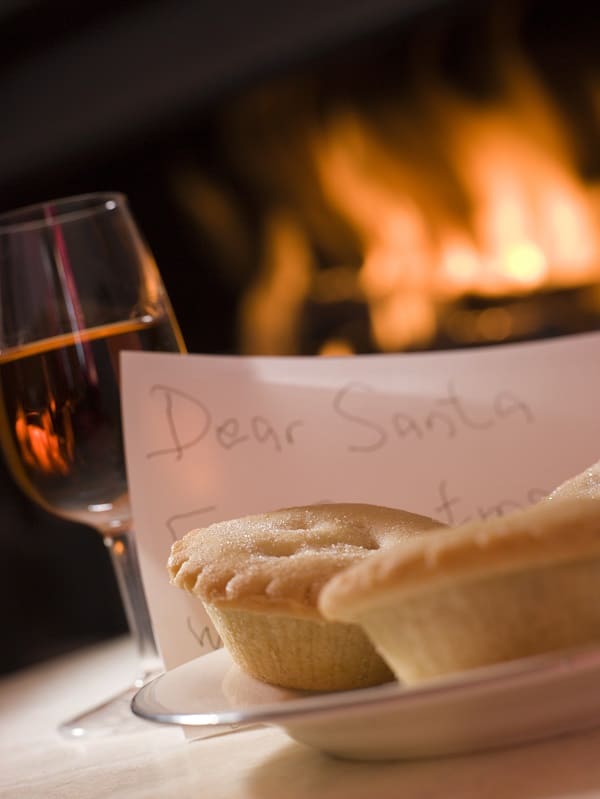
pixel 530 221
pixel 444 203
pixel 534 220
pixel 271 309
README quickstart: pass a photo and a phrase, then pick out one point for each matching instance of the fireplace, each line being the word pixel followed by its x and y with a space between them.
pixel 433 186
pixel 422 177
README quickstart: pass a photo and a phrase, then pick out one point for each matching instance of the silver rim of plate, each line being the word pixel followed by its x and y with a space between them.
pixel 283 705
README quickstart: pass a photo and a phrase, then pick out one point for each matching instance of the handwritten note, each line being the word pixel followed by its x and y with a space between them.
pixel 455 435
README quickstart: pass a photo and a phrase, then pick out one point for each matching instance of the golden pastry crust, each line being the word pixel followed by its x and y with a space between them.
pixel 297 652
pixel 547 533
pixel 278 562
pixel 482 593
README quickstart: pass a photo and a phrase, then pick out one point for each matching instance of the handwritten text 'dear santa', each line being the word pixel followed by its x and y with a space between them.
pixel 188 420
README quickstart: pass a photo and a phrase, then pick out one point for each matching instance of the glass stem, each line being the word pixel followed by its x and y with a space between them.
pixel 129 579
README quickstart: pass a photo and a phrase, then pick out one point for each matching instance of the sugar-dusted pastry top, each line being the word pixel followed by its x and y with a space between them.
pixel 586 484
pixel 562 530
pixel 279 561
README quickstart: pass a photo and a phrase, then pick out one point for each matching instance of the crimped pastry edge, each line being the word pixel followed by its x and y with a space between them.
pixel 186 566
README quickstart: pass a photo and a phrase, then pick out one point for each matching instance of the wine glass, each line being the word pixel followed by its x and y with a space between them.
pixel 77 286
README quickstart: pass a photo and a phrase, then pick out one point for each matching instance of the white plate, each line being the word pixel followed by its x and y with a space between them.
pixel 495 706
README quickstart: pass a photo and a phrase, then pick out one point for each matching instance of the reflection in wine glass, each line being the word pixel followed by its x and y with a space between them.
pixel 77 286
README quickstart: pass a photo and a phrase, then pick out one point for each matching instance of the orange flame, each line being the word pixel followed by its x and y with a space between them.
pixel 531 221
pixel 435 196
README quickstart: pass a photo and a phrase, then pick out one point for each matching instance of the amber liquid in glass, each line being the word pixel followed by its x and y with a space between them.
pixel 60 418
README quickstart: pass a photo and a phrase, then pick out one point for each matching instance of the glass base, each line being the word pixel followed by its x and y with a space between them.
pixel 112 717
